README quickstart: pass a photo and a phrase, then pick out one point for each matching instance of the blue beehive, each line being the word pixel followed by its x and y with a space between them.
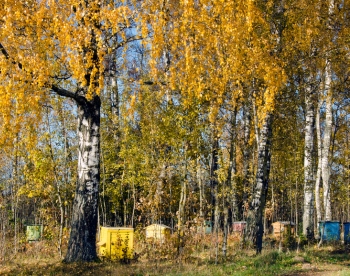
pixel 331 230
pixel 205 228
pixel 346 231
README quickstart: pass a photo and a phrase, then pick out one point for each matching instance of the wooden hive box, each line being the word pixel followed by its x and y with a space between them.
pixel 280 228
pixel 34 232
pixel 158 232
pixel 238 227
pixel 116 242
pixel 205 228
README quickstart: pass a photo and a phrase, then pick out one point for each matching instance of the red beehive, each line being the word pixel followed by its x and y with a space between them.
pixel 239 226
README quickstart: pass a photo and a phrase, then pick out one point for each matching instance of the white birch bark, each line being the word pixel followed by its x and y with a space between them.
pixel 327 144
pixel 319 169
pixel 200 185
pixel 254 228
pixel 246 148
pixel 229 182
pixel 308 227
pixel 82 240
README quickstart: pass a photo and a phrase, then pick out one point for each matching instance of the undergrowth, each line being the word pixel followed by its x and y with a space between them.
pixel 160 259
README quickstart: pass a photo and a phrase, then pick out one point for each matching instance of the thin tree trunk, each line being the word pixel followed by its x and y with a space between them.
pixel 214 177
pixel 158 193
pixel 246 149
pixel 319 169
pixel 134 198
pixel 115 108
pixel 104 211
pixel 254 228
pixel 326 145
pixel 4 238
pixel 348 167
pixel 229 183
pixel 58 186
pixel 15 184
pixel 200 185
pixel 181 213
pixel 308 227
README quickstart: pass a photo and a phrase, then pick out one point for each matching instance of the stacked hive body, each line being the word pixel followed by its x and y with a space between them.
pixel 280 228
pixel 158 232
pixel 34 232
pixel 117 242
pixel 331 230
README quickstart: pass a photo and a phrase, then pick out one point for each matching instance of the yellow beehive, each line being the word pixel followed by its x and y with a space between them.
pixel 116 242
pixel 158 232
pixel 280 228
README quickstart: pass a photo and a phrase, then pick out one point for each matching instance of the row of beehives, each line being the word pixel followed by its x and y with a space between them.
pixel 331 231
pixel 115 242
pixel 118 242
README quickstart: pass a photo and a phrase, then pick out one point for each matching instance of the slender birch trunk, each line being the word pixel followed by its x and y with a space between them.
pixel 319 168
pixel 58 185
pixel 158 193
pixel 233 161
pixel 214 178
pixel 246 149
pixel 200 185
pixel 229 181
pixel 327 144
pixel 104 210
pixel 15 184
pixel 308 227
pixel 115 98
pixel 254 228
pixel 181 213
pixel 66 172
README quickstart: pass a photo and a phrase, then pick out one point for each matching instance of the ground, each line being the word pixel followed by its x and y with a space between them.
pixel 330 260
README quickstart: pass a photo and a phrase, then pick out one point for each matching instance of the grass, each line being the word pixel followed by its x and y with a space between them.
pixel 330 260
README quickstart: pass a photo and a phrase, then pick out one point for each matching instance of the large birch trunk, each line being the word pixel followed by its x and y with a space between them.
pixel 82 242
pixel 326 146
pixel 308 227
pixel 254 228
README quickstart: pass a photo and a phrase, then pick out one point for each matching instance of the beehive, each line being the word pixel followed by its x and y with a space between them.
pixel 238 227
pixel 34 232
pixel 331 231
pixel 281 227
pixel 158 232
pixel 205 228
pixel 116 242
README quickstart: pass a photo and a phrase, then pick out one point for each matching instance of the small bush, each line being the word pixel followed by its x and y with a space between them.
pixel 290 241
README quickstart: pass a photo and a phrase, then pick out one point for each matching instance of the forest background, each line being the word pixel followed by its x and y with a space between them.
pixel 188 111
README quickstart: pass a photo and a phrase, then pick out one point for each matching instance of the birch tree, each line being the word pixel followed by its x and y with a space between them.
pixel 308 227
pixel 65 45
